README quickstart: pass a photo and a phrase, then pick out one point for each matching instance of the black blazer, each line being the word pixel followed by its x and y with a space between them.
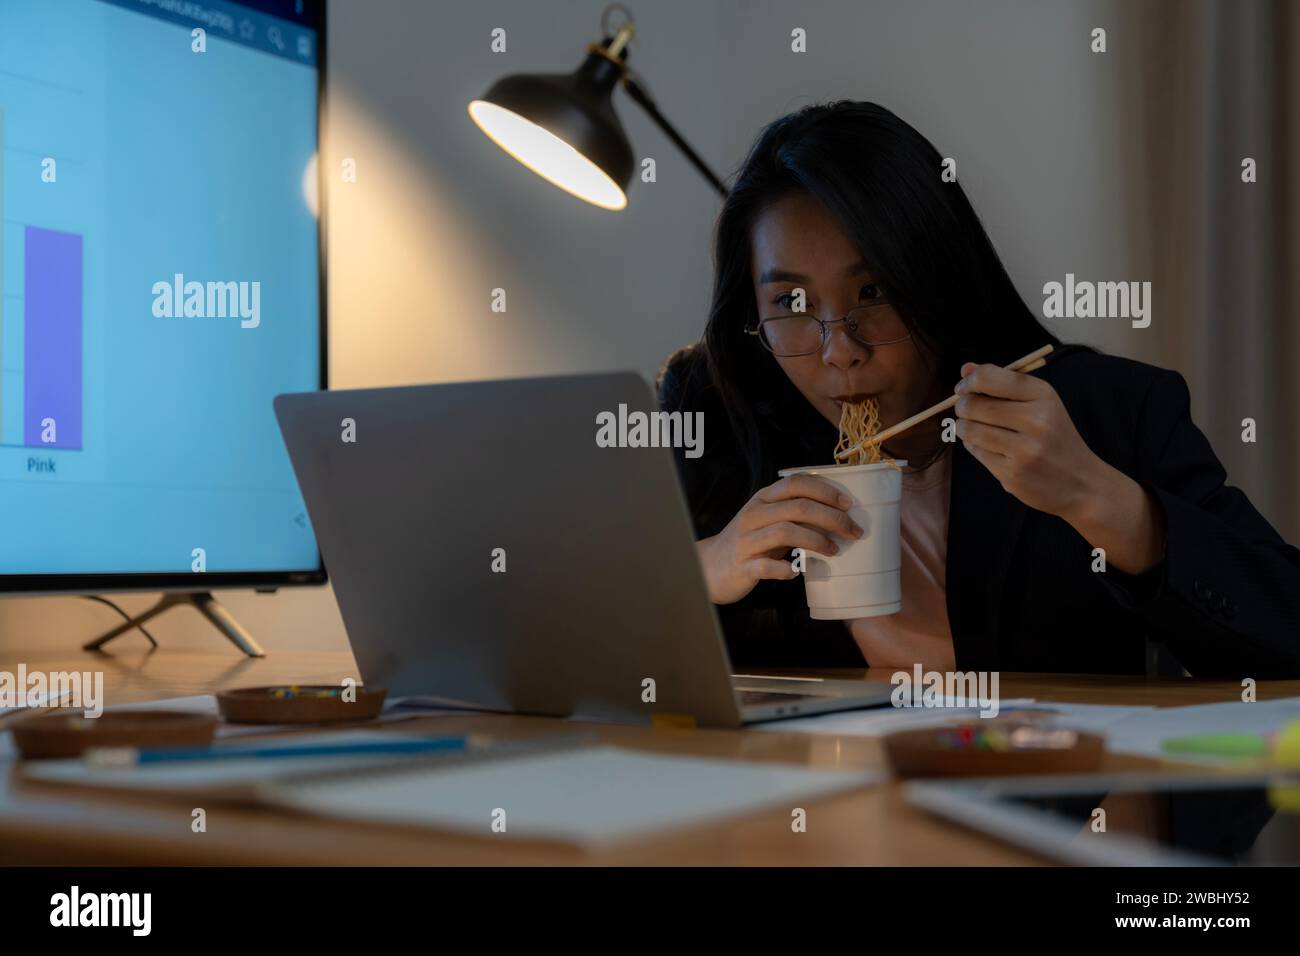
pixel 1021 592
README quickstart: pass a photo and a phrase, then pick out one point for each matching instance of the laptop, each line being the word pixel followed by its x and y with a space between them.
pixel 487 552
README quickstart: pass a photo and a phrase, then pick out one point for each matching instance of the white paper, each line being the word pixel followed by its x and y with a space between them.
pixel 588 795
pixel 1127 729
pixel 201 774
pixel 1145 734
pixel 36 701
pixel 198 704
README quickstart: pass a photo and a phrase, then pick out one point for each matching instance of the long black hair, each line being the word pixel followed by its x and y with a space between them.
pixel 919 235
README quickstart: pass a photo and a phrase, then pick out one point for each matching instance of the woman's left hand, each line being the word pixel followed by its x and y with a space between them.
pixel 1016 426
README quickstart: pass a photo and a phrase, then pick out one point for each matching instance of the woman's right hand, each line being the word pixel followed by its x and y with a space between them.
pixel 801 511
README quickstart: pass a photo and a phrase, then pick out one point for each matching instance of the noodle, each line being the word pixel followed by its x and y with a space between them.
pixel 858 422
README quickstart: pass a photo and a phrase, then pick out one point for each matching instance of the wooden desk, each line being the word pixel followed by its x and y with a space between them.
pixel 869 827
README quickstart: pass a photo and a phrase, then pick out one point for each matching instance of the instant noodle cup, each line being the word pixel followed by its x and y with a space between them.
pixel 864 579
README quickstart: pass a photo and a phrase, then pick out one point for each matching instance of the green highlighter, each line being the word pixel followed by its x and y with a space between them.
pixel 1218 745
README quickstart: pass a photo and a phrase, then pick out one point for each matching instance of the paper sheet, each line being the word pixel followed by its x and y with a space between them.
pixel 37 700
pixel 1127 729
pixel 203 774
pixel 1144 734
pixel 588 795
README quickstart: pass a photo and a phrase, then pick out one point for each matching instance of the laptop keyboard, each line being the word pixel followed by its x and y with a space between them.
pixel 749 697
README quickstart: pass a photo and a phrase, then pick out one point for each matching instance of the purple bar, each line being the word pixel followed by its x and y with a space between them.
pixel 52 337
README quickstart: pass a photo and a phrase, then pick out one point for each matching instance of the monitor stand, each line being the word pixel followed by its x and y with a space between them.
pixel 205 604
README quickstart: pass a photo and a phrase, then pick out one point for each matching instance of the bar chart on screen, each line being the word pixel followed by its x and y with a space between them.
pixel 50 311
pixel 48 216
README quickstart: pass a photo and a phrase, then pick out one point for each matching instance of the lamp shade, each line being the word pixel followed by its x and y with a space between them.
pixel 563 127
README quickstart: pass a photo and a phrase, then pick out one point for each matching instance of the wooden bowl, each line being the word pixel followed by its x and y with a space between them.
pixel 992 748
pixel 298 704
pixel 68 734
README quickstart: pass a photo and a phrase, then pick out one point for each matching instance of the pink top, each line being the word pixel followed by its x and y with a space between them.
pixel 919 632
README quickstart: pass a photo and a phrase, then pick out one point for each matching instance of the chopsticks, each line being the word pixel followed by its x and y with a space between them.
pixel 1034 360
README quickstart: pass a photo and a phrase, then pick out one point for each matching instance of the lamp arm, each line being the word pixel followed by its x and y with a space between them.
pixel 638 93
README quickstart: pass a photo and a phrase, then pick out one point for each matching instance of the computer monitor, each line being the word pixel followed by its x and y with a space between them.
pixel 162 282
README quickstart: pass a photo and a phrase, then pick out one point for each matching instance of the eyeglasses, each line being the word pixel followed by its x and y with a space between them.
pixel 802 333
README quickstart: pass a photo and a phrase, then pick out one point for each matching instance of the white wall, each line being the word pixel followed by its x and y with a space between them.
pixel 439 216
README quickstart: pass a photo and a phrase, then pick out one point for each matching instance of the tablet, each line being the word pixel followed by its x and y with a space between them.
pixel 1142 819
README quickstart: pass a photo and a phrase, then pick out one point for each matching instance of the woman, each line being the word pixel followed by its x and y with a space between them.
pixel 840 213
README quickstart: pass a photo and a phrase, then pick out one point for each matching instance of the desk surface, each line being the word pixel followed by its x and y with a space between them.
pixel 869 827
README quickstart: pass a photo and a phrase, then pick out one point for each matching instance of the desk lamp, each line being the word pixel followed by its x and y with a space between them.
pixel 563 126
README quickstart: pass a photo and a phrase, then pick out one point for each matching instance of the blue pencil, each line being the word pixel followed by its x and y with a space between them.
pixel 126 756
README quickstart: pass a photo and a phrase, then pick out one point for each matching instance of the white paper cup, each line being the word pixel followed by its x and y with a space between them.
pixel 864 579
